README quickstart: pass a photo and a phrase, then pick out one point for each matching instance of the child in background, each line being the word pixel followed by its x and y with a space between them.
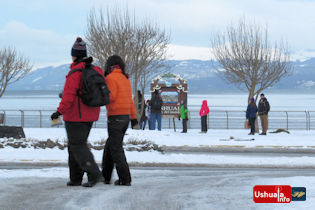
pixel 148 114
pixel 184 115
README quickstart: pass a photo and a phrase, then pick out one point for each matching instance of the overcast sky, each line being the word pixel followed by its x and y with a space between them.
pixel 44 30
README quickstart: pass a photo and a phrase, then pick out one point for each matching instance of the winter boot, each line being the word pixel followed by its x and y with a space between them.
pixel 91 183
pixel 118 182
pixel 72 184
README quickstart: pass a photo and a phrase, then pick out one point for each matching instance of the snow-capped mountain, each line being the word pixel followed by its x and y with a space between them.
pixel 201 77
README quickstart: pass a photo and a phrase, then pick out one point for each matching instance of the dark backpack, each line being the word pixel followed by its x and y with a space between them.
pixel 94 91
pixel 156 105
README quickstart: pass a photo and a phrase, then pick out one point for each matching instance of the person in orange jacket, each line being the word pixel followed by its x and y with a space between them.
pixel 119 112
pixel 204 111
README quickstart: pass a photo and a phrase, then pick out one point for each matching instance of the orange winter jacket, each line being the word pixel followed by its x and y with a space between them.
pixel 121 102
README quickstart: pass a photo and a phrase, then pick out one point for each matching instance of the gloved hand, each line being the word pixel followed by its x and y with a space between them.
pixel 134 123
pixel 55 115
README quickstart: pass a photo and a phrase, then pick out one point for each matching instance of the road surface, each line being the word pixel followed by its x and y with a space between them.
pixel 152 188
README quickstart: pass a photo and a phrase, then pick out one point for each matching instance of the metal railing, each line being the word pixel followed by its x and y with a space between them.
pixel 217 119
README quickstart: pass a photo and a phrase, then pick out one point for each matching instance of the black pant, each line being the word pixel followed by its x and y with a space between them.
pixel 252 124
pixel 185 125
pixel 80 157
pixel 113 151
pixel 204 126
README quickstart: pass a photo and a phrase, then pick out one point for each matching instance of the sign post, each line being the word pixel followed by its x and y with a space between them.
pixel 172 89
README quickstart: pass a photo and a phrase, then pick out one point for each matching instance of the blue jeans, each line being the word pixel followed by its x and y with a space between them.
pixel 156 117
pixel 143 124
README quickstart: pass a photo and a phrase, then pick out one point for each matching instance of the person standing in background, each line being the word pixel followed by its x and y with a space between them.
pixel 143 118
pixel 263 110
pixel 204 111
pixel 156 105
pixel 184 115
pixel 148 113
pixel 251 113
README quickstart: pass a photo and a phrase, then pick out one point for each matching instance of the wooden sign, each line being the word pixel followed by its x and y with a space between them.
pixel 173 89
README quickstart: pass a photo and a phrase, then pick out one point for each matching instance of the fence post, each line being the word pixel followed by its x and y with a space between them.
pixel 22 118
pixel 307 126
pixel 227 119
pixel 4 120
pixel 40 119
pixel 174 124
pixel 189 120
pixel 309 120
pixel 287 120
pixel 208 121
pixel 169 123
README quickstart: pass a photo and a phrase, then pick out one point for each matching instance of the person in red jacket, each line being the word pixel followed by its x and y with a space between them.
pixel 204 111
pixel 119 112
pixel 78 119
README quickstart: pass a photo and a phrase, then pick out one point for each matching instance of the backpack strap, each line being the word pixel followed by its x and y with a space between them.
pixel 74 70
pixel 78 94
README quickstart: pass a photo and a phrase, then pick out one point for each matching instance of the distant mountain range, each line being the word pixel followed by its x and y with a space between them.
pixel 200 75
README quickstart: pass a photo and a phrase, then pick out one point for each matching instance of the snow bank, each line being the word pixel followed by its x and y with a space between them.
pixel 192 138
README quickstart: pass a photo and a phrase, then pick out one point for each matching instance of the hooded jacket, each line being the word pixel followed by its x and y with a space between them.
pixel 69 106
pixel 121 102
pixel 204 109
pixel 251 110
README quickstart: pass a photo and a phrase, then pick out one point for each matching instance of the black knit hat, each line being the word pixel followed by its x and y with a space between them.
pixel 79 48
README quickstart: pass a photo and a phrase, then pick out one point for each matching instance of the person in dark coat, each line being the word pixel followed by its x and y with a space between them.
pixel 263 109
pixel 251 113
pixel 148 114
pixel 156 106
pixel 119 111
pixel 78 119
pixel 143 117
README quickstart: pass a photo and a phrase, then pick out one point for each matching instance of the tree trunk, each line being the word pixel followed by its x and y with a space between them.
pixel 256 125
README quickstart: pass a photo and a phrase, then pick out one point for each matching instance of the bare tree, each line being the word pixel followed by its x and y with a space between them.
pixel 247 59
pixel 13 67
pixel 141 44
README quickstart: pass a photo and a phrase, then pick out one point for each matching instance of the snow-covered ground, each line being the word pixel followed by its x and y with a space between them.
pixel 160 188
pixel 192 138
pixel 56 156
pixel 296 139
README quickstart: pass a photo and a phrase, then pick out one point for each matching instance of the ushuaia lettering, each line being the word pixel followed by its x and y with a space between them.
pixel 272 194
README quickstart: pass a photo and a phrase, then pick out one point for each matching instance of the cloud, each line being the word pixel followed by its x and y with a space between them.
pixel 41 46
pixel 181 52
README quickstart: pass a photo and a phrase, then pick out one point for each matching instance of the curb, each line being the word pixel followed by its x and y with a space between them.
pixel 21 165
pixel 240 148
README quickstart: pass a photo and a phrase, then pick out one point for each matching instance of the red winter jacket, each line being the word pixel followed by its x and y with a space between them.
pixel 204 109
pixel 69 105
